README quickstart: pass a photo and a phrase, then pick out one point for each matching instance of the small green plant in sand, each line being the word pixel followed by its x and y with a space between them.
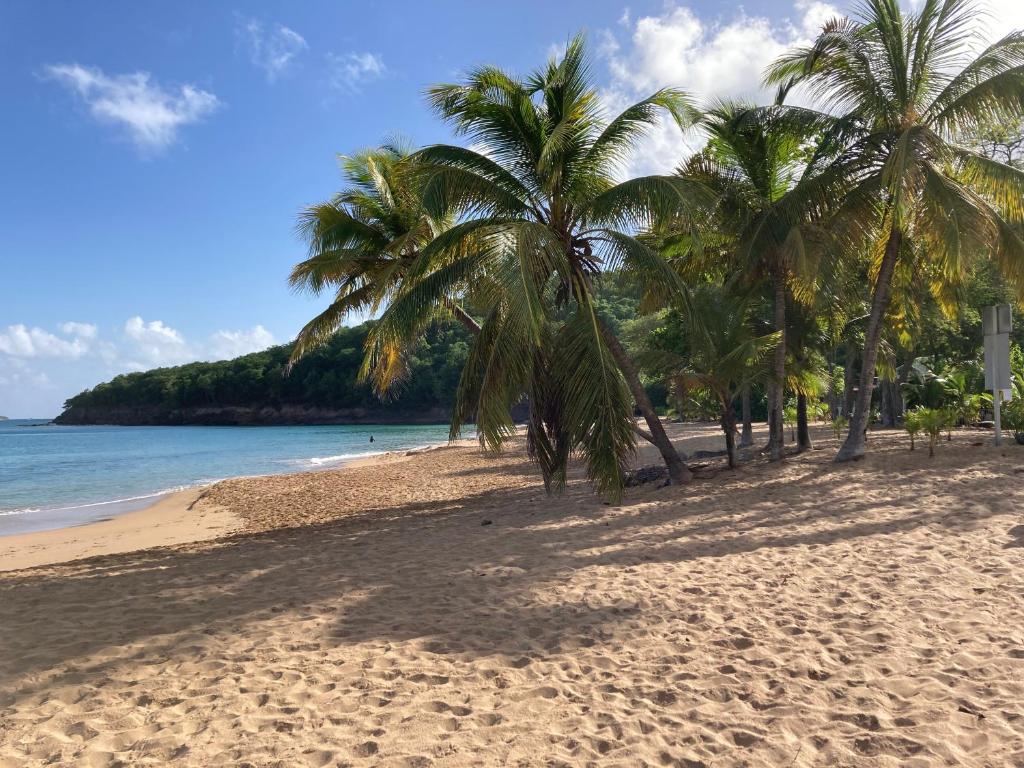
pixel 912 423
pixel 933 421
pixel 839 425
pixel 822 411
pixel 789 417
pixel 1013 419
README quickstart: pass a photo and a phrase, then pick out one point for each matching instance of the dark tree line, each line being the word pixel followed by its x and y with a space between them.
pixel 326 378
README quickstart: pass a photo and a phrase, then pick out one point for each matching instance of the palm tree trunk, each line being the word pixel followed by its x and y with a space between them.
pixel 462 316
pixel 803 432
pixel 776 392
pixel 729 427
pixel 747 438
pixel 854 446
pixel 678 472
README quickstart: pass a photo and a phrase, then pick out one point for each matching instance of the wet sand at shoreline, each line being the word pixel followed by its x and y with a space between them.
pixel 171 520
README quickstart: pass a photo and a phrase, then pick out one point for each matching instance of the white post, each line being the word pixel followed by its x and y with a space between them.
pixel 997 395
pixel 996 324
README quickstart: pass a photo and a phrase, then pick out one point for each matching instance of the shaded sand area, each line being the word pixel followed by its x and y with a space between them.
pixel 438 609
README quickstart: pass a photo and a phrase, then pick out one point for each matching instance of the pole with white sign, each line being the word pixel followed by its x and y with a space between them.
pixel 996 322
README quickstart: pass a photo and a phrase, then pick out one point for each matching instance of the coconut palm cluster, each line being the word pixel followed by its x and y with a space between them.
pixel 794 232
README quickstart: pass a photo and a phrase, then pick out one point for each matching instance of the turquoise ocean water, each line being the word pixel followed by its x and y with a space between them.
pixel 54 476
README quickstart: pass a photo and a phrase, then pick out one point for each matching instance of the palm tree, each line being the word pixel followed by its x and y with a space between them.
pixel 539 203
pixel 771 195
pixel 722 355
pixel 806 338
pixel 906 91
pixel 363 243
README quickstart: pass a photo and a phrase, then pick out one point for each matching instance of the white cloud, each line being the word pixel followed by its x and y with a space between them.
pixel 79 330
pixel 271 50
pixel 349 71
pixel 151 114
pixel 155 330
pixel 21 341
pixel 38 369
pixel 996 19
pixel 157 343
pixel 728 58
pixel 708 59
pixel 999 18
pixel 16 374
pixel 557 50
pixel 228 344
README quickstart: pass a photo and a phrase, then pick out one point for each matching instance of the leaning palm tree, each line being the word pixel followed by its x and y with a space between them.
pixel 771 198
pixel 906 92
pixel 364 241
pixel 544 215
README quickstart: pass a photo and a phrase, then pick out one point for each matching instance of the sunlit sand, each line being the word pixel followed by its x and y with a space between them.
pixel 438 609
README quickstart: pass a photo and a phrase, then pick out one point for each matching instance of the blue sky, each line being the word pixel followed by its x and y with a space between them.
pixel 156 154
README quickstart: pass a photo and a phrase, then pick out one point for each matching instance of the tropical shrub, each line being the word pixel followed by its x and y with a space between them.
pixel 912 423
pixel 933 421
pixel 822 411
pixel 789 417
pixel 926 389
pixel 906 90
pixel 951 415
pixel 1013 419
pixel 839 425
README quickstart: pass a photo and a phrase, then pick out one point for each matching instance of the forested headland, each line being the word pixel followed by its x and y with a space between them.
pixel 255 389
pixel 322 388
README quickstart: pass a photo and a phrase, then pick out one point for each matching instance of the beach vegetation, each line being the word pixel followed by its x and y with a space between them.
pixel 932 422
pixel 912 424
pixel 723 356
pixel 325 379
pixel 905 93
pixel 839 425
pixel 542 215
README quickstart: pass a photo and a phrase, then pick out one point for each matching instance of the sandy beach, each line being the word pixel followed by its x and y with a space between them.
pixel 439 609
pixel 174 519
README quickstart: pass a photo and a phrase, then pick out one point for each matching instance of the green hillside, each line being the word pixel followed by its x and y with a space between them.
pixel 324 381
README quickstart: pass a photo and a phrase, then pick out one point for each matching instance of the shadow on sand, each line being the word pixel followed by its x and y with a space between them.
pixel 402 571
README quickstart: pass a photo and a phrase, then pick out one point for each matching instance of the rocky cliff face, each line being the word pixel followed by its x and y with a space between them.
pixel 247 416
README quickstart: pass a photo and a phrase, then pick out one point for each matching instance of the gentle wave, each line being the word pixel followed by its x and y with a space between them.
pixel 126 500
pixel 25 511
pixel 319 461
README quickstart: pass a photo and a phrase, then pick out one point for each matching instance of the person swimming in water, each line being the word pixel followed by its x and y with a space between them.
pixel 371 438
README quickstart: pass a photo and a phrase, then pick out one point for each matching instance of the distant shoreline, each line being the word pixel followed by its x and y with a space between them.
pixel 244 416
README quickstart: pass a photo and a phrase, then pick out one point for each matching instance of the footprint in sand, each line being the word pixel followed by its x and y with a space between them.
pixel 429 679
pixel 366 749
